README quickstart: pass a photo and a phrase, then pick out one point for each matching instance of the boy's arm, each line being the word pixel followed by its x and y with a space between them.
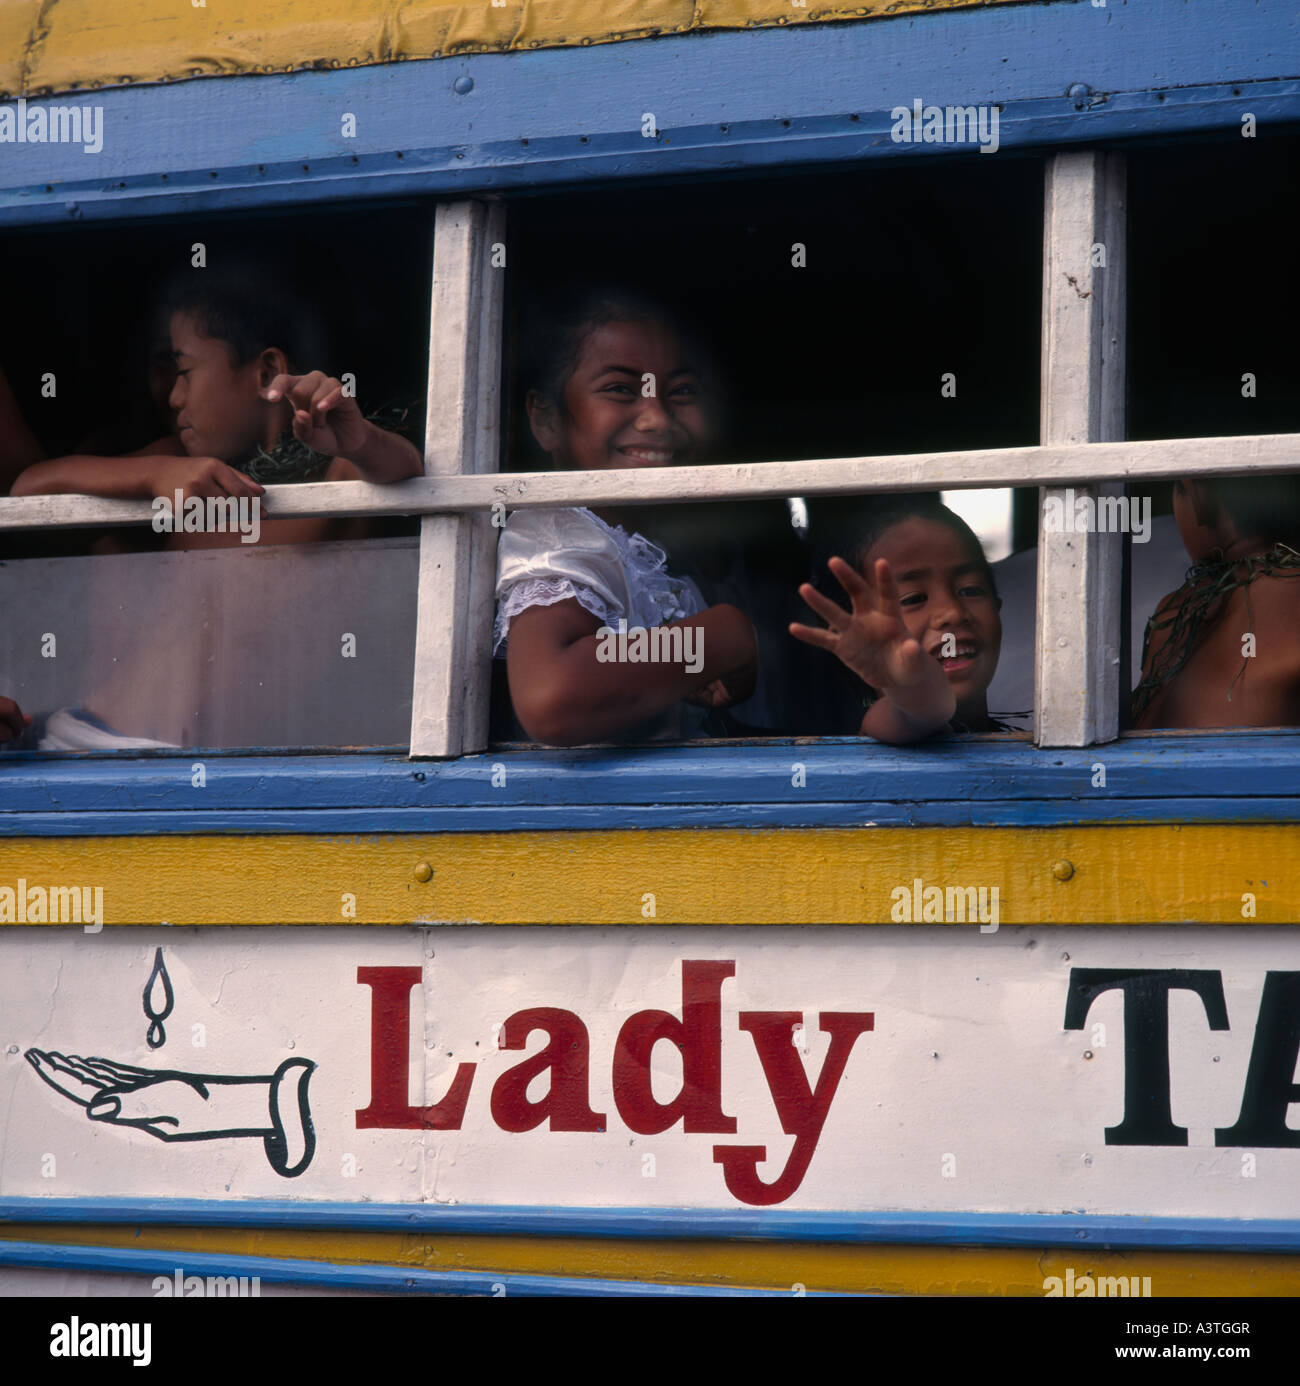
pixel 331 423
pixel 13 721
pixel 125 478
pixel 386 456
pixel 18 445
pixel 156 470
pixel 565 695
pixel 886 721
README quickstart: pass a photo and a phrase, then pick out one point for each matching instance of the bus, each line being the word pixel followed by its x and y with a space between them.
pixel 312 977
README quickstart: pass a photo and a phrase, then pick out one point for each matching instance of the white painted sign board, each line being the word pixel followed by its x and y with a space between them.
pixel 544 1066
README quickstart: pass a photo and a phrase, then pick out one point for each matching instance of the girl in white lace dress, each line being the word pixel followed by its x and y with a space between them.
pixel 619 389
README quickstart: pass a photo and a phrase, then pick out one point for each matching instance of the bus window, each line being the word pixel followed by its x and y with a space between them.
pixel 288 645
pixel 839 314
pixel 1212 307
pixel 289 633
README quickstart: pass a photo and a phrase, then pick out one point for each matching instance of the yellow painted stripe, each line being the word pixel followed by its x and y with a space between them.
pixel 90 43
pixel 879 1269
pixel 1125 874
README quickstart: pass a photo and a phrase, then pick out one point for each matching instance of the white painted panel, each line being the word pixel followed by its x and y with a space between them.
pixel 246 1002
pixel 968 1092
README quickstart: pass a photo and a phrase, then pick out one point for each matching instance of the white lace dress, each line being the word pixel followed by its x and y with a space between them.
pixel 548 556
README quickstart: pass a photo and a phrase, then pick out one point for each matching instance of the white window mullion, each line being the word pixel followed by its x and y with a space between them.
pixel 1077 642
pixel 1072 465
pixel 453 629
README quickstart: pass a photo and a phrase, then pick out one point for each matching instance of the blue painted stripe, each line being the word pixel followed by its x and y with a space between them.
pixel 356 822
pixel 722 102
pixel 845 782
pixel 1105 1231
pixel 329 1275
pixel 760 146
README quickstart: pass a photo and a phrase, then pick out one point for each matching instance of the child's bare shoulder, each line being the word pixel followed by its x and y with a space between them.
pixel 1279 590
pixel 1169 604
pixel 1273 610
pixel 1166 608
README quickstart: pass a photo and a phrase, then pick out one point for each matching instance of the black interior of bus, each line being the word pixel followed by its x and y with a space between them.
pixel 910 273
pixel 82 306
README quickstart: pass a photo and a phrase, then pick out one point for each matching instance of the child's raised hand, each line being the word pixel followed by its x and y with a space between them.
pixel 713 694
pixel 872 640
pixel 740 680
pixel 723 692
pixel 324 418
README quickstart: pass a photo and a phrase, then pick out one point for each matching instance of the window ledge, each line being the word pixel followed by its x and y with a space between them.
pixel 835 782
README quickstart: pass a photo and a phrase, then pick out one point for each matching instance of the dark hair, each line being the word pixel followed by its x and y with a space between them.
pixel 884 515
pixel 250 306
pixel 1267 507
pixel 554 340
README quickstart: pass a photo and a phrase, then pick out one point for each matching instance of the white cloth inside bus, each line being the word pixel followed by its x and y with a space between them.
pixel 75 729
pixel 549 556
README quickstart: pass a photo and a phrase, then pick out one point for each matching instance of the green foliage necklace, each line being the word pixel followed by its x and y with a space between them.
pixel 291 461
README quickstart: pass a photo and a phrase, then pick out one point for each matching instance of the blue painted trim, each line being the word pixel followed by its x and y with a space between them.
pixel 1104 1231
pixel 724 102
pixel 330 1275
pixel 1241 777
pixel 352 823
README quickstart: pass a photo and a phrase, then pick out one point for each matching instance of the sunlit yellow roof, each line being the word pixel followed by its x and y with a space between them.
pixel 60 45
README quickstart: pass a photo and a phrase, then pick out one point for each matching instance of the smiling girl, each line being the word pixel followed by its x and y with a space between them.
pixel 924 632
pixel 618 386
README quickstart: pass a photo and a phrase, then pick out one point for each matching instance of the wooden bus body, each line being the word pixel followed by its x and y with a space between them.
pixel 1004 1015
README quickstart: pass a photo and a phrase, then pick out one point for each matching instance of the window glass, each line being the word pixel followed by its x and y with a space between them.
pixel 147 368
pixel 289 645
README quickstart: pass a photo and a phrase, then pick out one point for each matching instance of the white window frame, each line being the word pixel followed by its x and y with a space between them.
pixel 1077 640
pixel 457 579
pixel 1077 661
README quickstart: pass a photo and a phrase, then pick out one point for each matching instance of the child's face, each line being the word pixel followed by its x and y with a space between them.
pixel 943 591
pixel 219 412
pixel 608 421
pixel 162 377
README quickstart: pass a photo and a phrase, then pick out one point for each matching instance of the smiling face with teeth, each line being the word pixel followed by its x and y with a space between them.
pixel 604 420
pixel 944 589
